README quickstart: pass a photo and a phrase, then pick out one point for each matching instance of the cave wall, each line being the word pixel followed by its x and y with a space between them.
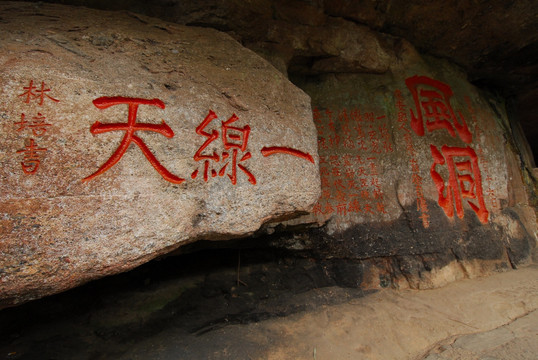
pixel 393 175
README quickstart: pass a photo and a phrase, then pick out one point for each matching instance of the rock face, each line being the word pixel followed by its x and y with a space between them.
pixel 418 173
pixel 425 178
pixel 124 137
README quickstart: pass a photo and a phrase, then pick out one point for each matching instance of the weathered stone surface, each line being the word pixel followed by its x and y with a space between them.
pixel 336 46
pixel 75 205
pixel 417 171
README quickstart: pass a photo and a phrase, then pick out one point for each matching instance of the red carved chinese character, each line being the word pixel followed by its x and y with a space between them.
pixel 464 181
pixel 375 183
pixel 199 155
pixel 360 131
pixel 368 209
pixel 23 123
pixel 39 126
pixel 336 172
pixel 373 169
pixel 339 184
pixel 347 159
pixel 381 208
pixel 233 138
pixel 378 193
pixel 362 171
pixel 317 117
pixel 231 134
pixel 349 142
pixel 425 219
pixel 341 209
pixel 375 147
pixel 341 195
pixel 334 140
pixel 317 209
pixel 387 147
pixel 349 173
pixel 352 184
pixel 361 145
pixel 343 118
pixel 322 144
pixel 354 206
pixel 369 117
pixel 344 128
pixel 130 128
pixel 385 136
pixel 329 113
pixel 355 115
pixel 32 92
pixel 334 160
pixel 31 160
pixel 432 102
pixel 267 151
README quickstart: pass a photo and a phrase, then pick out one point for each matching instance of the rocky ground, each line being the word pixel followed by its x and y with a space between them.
pixel 273 308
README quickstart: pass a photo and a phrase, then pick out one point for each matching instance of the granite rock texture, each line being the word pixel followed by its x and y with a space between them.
pixel 124 137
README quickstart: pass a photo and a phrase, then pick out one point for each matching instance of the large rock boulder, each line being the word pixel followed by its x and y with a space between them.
pixel 124 137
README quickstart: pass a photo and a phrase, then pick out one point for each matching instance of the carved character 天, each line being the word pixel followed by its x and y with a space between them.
pixel 130 128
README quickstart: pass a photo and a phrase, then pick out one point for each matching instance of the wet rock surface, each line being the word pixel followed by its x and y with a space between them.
pixel 393 254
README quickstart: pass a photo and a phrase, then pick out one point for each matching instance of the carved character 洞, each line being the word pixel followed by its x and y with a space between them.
pixel 464 181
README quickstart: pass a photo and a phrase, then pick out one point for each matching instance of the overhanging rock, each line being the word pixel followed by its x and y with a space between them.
pixel 124 137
